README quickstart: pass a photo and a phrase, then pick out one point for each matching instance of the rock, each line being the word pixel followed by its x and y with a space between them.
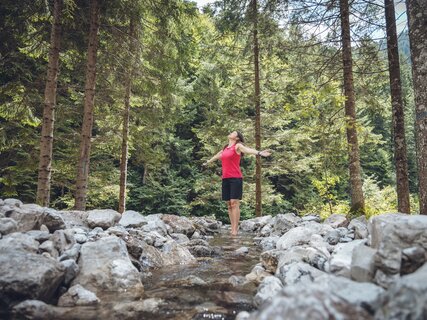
pixel 7 225
pixel 294 237
pixel 132 219
pixel 105 266
pixel 270 259
pixel 71 269
pixel 237 281
pixel 12 202
pixel 406 297
pixel 328 297
pixel 136 309
pixel 282 223
pixel 255 223
pixel 78 296
pixel 80 238
pixel 179 224
pixel 241 251
pixel 119 231
pixel 340 262
pixel 180 238
pixel 150 258
pixel 390 234
pixel 202 251
pixel 155 224
pixel 363 264
pixel 63 240
pixel 74 218
pixel 72 253
pixel 294 254
pixel 102 218
pixel 26 275
pixel 336 221
pixel 333 237
pixel 189 281
pixel 412 259
pixel 39 235
pixel 268 288
pixel 53 220
pixel 360 227
pixel 243 315
pixel 269 243
pixel 257 274
pixel 297 272
pixel 18 241
pixel 311 218
pixel 174 253
pixel 48 247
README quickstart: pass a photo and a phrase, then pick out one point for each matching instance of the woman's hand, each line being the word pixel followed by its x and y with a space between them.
pixel 264 153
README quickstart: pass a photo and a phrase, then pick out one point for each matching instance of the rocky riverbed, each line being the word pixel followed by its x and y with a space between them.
pixel 99 264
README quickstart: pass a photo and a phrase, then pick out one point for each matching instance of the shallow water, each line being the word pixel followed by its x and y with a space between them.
pixel 202 290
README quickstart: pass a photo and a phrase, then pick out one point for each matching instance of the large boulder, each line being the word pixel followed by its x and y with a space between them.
pixel 340 262
pixel 103 218
pixel 406 298
pixel 173 253
pixel 105 267
pixel 26 275
pixel 390 235
pixel 7 225
pixel 18 241
pixel 359 226
pixel 298 272
pixel 363 264
pixel 267 290
pixel 336 220
pixel 179 224
pixel 294 237
pixel 132 219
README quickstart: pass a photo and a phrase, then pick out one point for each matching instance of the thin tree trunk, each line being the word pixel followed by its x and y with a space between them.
pixel 258 199
pixel 417 18
pixel 125 131
pixel 46 142
pixel 89 96
pixel 400 155
pixel 357 199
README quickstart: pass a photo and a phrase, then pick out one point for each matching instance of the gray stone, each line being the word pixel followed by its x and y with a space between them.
pixel 406 297
pixel 241 251
pixel 297 272
pixel 119 231
pixel 255 224
pixel 180 238
pixel 26 275
pixel 179 224
pixel 360 227
pixel 311 218
pixel 63 240
pixel 19 242
pixel 74 218
pixel 282 223
pixel 78 296
pixel 39 235
pixel 7 225
pixel 336 220
pixel 363 264
pixel 174 253
pixel 105 218
pixel 340 262
pixel 270 259
pixel 333 237
pixel 48 247
pixel 71 269
pixel 412 259
pixel 105 266
pixel 269 243
pixel 150 258
pixel 132 219
pixel 12 202
pixel 155 224
pixel 294 237
pixel 267 290
pixel 257 274
pixel 202 251
pixel 72 253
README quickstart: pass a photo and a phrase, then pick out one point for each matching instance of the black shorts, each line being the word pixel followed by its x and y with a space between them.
pixel 232 188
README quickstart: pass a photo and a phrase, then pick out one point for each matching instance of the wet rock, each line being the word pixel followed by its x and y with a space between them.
pixel 267 290
pixel 132 219
pixel 78 296
pixel 233 298
pixel 71 269
pixel 340 262
pixel 257 274
pixel 174 253
pixel 179 224
pixel 406 297
pixel 136 309
pixel 26 275
pixel 105 266
pixel 298 272
pixel 336 221
pixel 105 218
pixel 241 251
pixel 189 281
pixel 390 234
pixel 363 264
pixel 7 225
pixel 237 281
pixel 202 251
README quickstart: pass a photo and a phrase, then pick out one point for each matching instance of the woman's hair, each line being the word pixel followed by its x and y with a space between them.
pixel 241 140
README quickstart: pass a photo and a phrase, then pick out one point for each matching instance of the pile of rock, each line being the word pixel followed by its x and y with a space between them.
pixel 340 269
pixel 62 264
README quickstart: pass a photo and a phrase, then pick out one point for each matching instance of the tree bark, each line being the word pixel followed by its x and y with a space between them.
pixel 258 199
pixel 89 96
pixel 417 20
pixel 357 198
pixel 46 141
pixel 125 130
pixel 400 154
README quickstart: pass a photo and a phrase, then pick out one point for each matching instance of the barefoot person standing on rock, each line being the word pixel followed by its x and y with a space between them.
pixel 232 179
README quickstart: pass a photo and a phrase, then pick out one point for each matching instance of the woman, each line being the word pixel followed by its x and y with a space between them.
pixel 232 179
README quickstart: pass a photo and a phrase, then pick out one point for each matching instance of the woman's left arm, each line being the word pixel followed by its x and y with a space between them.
pixel 244 149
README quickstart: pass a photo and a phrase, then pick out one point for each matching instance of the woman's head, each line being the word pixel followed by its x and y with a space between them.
pixel 236 135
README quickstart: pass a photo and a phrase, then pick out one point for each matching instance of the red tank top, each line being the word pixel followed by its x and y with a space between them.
pixel 230 160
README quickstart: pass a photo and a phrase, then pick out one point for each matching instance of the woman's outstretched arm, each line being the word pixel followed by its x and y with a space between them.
pixel 247 150
pixel 215 157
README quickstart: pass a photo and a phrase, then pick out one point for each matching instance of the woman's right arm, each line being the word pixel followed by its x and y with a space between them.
pixel 215 157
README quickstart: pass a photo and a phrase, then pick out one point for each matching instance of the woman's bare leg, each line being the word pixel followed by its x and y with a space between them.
pixel 230 215
pixel 235 215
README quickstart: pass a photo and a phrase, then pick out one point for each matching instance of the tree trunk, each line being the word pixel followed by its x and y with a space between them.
pixel 125 131
pixel 89 96
pixel 258 205
pixel 400 155
pixel 357 199
pixel 417 20
pixel 46 142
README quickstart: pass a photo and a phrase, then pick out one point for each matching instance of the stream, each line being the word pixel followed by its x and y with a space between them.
pixel 202 290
